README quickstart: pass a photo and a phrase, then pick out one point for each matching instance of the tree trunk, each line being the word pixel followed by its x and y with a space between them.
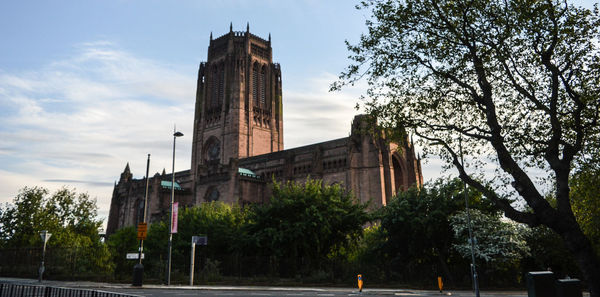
pixel 587 260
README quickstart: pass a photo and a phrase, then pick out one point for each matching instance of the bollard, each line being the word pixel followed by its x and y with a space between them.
pixel 360 282
pixel 440 284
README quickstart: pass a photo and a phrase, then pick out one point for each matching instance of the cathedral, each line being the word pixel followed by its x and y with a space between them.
pixel 237 144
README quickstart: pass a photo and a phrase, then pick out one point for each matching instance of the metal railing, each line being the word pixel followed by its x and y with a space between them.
pixel 22 290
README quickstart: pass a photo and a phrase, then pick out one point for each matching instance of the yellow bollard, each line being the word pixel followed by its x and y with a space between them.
pixel 360 282
pixel 440 283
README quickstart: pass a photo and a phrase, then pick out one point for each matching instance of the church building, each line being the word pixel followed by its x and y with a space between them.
pixel 237 144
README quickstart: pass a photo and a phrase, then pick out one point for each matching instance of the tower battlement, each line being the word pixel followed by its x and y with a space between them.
pixel 240 43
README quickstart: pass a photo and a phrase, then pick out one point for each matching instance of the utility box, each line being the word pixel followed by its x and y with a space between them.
pixel 541 284
pixel 568 288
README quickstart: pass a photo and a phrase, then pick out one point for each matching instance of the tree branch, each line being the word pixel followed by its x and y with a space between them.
pixel 504 204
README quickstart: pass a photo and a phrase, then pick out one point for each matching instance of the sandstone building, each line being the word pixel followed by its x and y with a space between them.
pixel 237 146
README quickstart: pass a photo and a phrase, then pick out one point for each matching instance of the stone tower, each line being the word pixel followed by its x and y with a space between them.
pixel 238 110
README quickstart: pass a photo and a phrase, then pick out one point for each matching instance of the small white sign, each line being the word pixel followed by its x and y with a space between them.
pixel 45 235
pixel 133 256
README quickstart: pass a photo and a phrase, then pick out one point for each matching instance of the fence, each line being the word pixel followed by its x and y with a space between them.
pixel 61 263
pixel 21 290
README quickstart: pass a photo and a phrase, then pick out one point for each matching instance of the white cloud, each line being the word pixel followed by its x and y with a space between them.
pixel 313 114
pixel 78 121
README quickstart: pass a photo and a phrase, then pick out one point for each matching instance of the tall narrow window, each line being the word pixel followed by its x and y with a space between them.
pixel 221 97
pixel 255 84
pixel 215 88
pixel 263 86
pixel 398 175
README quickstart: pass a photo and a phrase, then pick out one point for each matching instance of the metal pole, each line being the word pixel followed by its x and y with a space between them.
pixel 192 263
pixel 141 249
pixel 42 268
pixel 45 236
pixel 175 135
pixel 138 269
pixel 466 190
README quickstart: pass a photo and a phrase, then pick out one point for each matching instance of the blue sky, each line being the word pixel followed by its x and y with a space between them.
pixel 87 86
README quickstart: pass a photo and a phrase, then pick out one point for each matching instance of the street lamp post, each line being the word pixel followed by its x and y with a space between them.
pixel 175 135
pixel 471 239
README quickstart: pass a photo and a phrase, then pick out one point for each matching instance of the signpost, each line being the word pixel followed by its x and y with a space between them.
pixel 45 236
pixel 196 240
pixel 142 230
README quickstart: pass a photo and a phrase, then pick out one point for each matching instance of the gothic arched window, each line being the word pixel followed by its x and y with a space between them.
pixel 217 87
pixel 221 94
pixel 263 86
pixel 255 84
pixel 398 174
pixel 214 89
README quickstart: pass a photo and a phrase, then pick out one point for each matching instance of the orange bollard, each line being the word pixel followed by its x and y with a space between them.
pixel 440 283
pixel 360 282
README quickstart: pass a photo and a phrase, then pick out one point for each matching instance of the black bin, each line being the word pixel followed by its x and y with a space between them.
pixel 138 275
pixel 568 288
pixel 541 284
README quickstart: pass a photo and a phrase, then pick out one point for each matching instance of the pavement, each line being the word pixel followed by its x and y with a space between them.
pixel 366 291
pixel 256 289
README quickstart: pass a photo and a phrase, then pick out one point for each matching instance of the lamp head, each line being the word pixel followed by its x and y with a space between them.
pixel 177 134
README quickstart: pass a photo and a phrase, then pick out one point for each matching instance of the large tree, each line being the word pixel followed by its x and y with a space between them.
pixel 516 82
pixel 69 216
pixel 418 231
pixel 304 223
pixel 72 220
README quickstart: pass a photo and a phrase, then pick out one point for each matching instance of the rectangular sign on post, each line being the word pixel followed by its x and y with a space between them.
pixel 200 240
pixel 134 256
pixel 142 231
pixel 174 217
